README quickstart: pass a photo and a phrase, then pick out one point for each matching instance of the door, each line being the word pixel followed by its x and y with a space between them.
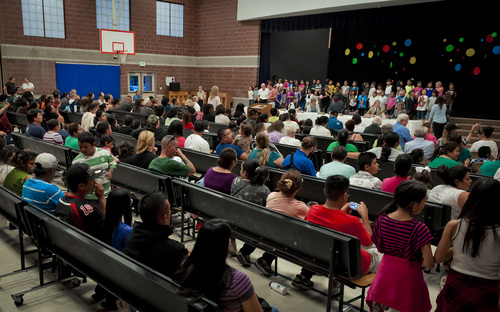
pixel 142 81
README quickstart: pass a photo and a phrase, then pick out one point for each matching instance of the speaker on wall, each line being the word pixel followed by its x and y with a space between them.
pixel 175 86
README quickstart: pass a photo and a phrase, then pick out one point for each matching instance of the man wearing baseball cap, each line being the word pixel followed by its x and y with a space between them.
pixel 153 125
pixel 39 191
pixel 74 208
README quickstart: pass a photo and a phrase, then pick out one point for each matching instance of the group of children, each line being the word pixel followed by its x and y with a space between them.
pixel 417 101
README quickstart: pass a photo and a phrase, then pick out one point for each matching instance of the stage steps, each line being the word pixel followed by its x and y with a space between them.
pixel 467 123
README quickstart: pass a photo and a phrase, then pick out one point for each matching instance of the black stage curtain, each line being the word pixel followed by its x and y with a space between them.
pixel 444 41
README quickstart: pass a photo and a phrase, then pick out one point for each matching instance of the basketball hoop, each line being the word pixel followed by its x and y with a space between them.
pixel 121 55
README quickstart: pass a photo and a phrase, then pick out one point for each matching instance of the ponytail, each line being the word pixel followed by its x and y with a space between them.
pixel 407 193
pixel 262 142
pixel 390 140
pixel 255 173
pixel 342 137
pixel 449 175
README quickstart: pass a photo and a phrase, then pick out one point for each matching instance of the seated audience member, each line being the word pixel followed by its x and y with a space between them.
pixel 74 130
pixel 349 125
pixel 24 164
pixel 335 214
pixel 417 157
pixel 336 106
pixel 89 115
pixel 226 140
pixel 102 128
pixel 53 136
pixel 75 208
pixel 100 115
pixel 34 128
pixel 305 127
pixel 126 105
pixel 145 151
pixel 186 121
pixel 420 142
pixel 447 155
pixel 375 110
pixel 374 128
pixel 220 177
pixel 231 289
pixel 172 115
pixel 484 135
pixel 406 246
pixel 343 136
pixel 368 166
pixel 125 152
pixel 388 152
pixel 98 159
pixel 275 131
pixel 244 138
pixel 423 174
pixel 320 128
pixel 232 126
pixel 464 151
pixel 113 122
pixel 250 185
pixel 400 110
pixel 402 168
pixel 489 168
pixel 289 119
pixel 401 129
pixel 283 201
pixel 220 116
pixel 39 191
pixel 253 115
pixel 207 113
pixel 263 153
pixel 264 118
pixel 153 125
pixel 168 163
pixel 146 109
pixel 115 232
pixel 289 138
pixel 333 122
pixel 107 142
pixel 455 189
pixel 380 140
pixel 430 136
pixel 176 129
pixel 195 141
pixel 6 167
pixel 300 158
pixel 126 128
pixel 274 115
pixel 337 165
pixel 260 127
pixel 150 241
pixel 472 242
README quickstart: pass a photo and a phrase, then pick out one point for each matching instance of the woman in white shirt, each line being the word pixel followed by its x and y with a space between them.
pixel 214 98
pixel 320 128
pixel 5 164
pixel 220 116
pixel 312 106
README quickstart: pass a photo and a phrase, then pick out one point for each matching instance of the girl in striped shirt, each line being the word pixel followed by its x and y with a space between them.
pixel 399 284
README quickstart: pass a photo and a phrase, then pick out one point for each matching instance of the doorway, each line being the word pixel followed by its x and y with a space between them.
pixel 143 81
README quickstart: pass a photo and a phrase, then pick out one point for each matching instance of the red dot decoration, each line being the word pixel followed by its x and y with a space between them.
pixel 404 69
pixel 359 46
pixel 476 71
pixel 458 50
pixel 489 38
pixel 386 48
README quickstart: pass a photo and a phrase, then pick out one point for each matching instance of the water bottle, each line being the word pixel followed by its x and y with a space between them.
pixel 280 289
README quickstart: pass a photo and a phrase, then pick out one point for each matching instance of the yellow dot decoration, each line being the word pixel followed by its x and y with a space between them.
pixel 347 51
pixel 394 43
pixel 413 60
pixel 470 52
pixel 451 60
pixel 370 54
pixel 444 40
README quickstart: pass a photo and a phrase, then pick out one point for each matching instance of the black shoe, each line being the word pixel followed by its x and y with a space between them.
pixel 98 296
pixel 301 282
pixel 244 259
pixel 265 268
pixel 109 305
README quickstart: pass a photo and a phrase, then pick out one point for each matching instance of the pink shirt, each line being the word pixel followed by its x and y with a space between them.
pixel 287 205
pixel 390 184
pixel 391 102
pixel 432 138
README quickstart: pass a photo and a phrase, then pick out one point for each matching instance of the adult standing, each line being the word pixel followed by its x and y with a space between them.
pixel 137 95
pixel 10 87
pixel 262 94
pixel 272 96
pixel 214 98
pixel 200 97
pixel 438 116
pixel 28 86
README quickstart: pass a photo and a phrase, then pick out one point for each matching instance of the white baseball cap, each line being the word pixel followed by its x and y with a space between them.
pixel 46 161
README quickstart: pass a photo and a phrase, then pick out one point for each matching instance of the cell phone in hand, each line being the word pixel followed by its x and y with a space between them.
pixel 354 206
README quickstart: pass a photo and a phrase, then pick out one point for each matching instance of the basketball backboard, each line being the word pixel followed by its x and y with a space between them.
pixel 117 42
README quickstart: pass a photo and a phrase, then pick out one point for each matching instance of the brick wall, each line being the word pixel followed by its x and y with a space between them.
pixel 210 29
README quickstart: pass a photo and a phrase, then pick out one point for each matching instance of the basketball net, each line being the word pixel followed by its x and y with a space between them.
pixel 122 57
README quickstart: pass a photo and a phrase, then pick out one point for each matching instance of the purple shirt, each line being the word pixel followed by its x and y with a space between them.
pixel 274 136
pixel 239 289
pixel 219 181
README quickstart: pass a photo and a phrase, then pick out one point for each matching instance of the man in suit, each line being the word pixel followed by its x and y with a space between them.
pixel 374 128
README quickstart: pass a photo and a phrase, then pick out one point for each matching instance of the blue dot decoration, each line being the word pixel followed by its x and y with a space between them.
pixel 458 67
pixel 482 40
pixel 363 54
pixel 496 50
pixel 395 52
pixel 408 42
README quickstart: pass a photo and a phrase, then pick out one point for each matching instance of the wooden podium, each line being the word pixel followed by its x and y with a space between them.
pixel 261 108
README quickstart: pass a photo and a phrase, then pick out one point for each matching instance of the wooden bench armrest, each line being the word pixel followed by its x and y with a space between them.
pixel 364 281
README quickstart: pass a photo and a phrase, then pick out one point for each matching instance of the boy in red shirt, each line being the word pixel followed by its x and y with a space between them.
pixel 335 214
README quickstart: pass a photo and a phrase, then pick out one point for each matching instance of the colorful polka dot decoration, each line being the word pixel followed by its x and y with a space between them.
pixel 455 47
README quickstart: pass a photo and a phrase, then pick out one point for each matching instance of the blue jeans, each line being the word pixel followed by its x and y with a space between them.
pixel 421 114
pixel 250 102
pixel 274 309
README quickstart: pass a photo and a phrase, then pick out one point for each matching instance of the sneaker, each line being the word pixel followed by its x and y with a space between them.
pixel 243 259
pixel 301 282
pixel 265 268
pixel 232 250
